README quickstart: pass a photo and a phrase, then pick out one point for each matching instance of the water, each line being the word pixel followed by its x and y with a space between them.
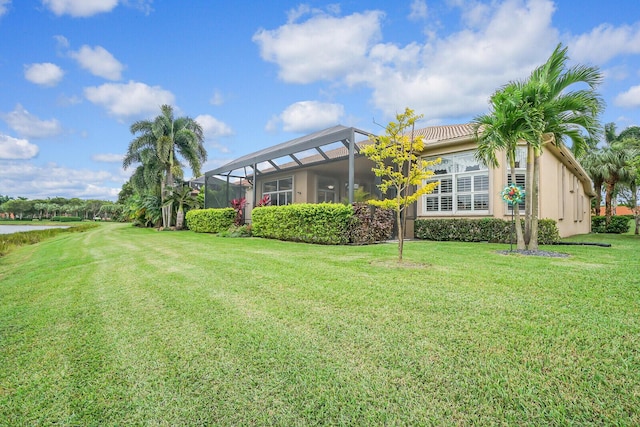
pixel 8 229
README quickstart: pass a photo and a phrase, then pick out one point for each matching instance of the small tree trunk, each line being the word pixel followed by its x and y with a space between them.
pixel 400 235
pixel 533 240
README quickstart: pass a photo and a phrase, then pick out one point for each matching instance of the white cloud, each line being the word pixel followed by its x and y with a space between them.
pixel 29 126
pixel 107 158
pixel 212 127
pixel 99 62
pixel 454 76
pixel 80 8
pixel 630 98
pixel 52 180
pixel 44 74
pixel 322 48
pixel 16 149
pixel 216 99
pixel 418 10
pixel 444 77
pixel 605 42
pixel 308 116
pixel 4 6
pixel 129 99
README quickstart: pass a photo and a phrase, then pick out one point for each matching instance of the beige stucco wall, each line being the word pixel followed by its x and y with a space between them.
pixel 565 189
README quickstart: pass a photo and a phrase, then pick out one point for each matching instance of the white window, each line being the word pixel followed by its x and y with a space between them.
pixel 280 190
pixel 463 185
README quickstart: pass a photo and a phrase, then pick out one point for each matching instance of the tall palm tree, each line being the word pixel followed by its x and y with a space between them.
pixel 501 130
pixel 617 167
pixel 159 145
pixel 592 164
pixel 561 114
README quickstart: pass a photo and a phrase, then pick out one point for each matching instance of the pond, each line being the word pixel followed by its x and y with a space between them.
pixel 9 229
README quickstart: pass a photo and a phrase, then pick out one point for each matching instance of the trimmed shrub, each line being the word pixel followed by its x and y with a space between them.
pixel 370 224
pixel 66 218
pixel 617 225
pixel 210 220
pixel 324 223
pixel 492 230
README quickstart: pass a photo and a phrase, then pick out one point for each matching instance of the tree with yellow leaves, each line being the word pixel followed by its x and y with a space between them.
pixel 402 171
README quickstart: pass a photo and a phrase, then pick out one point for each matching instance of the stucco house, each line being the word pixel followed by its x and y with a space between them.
pixel 327 166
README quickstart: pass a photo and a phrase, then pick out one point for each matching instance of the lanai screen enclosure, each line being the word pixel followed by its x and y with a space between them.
pixel 238 178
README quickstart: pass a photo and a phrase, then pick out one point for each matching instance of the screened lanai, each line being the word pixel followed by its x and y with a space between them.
pixel 323 166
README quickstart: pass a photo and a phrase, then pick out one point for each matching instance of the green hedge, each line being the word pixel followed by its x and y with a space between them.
pixel 479 230
pixel 210 220
pixel 66 218
pixel 324 223
pixel 618 224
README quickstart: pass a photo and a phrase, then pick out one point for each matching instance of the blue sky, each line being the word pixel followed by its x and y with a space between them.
pixel 75 74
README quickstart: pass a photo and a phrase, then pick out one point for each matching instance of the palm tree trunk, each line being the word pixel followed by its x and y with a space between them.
pixel 608 199
pixel 516 211
pixel 533 240
pixel 528 196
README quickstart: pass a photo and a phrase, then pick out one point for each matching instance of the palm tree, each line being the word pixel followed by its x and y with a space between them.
pixel 500 131
pixel 559 114
pixel 592 164
pixel 617 167
pixel 183 197
pixel 159 144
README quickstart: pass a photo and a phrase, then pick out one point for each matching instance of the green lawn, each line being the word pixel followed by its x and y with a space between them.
pixel 126 326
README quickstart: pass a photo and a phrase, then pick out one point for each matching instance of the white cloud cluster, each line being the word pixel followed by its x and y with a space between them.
pixel 107 158
pixel 26 179
pixel 16 149
pixel 79 8
pixel 213 128
pixel 4 6
pixel 630 98
pixel 604 43
pixel 129 99
pixel 99 62
pixel 322 48
pixel 30 126
pixel 44 74
pixel 442 77
pixel 307 116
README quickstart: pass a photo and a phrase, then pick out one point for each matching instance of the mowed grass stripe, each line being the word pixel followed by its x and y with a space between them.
pixel 180 328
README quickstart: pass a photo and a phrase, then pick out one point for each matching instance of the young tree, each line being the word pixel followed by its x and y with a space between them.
pixel 396 161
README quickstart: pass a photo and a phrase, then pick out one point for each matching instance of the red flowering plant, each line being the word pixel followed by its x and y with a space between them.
pixel 238 205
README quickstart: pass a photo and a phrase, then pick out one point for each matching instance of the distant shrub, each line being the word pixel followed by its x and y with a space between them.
pixel 324 223
pixel 617 225
pixel 493 230
pixel 210 220
pixel 66 218
pixel 237 231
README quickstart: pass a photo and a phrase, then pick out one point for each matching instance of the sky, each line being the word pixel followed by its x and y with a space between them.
pixel 75 74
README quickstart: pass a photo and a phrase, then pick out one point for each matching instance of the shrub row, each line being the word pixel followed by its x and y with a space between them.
pixel 617 225
pixel 479 230
pixel 324 223
pixel 210 220
pixel 66 218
